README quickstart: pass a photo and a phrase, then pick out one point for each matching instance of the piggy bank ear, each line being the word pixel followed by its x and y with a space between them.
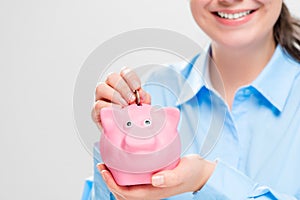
pixel 172 115
pixel 107 119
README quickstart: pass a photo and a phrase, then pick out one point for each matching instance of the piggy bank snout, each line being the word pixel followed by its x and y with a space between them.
pixel 132 144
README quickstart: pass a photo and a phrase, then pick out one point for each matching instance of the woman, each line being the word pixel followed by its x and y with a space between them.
pixel 255 51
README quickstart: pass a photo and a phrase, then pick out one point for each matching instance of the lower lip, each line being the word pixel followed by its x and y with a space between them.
pixel 235 22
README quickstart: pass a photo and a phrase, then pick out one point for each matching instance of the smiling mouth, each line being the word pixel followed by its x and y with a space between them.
pixel 233 16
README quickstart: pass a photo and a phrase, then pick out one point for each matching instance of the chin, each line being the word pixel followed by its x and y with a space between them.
pixel 233 43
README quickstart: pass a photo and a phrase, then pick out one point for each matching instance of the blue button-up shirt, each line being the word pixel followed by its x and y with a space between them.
pixel 256 144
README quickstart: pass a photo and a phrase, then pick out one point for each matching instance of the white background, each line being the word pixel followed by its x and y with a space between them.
pixel 43 44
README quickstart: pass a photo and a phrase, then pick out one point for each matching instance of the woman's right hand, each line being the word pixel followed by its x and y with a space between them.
pixel 118 89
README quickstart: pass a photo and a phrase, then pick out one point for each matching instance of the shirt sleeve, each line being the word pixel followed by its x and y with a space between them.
pixel 99 190
pixel 227 183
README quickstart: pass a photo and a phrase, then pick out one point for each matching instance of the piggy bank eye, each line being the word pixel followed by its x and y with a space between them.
pixel 147 122
pixel 128 124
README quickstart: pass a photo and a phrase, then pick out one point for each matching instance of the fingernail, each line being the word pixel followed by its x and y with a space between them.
pixel 125 70
pixel 158 180
pixel 104 175
pixel 99 166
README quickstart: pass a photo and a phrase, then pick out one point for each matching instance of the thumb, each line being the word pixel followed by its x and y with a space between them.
pixel 168 178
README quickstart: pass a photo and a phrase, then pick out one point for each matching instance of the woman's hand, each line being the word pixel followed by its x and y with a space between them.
pixel 190 175
pixel 118 89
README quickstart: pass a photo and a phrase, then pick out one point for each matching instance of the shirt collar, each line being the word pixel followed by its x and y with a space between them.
pixel 275 81
pixel 196 76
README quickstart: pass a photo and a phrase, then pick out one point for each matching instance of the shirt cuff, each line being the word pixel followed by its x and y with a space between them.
pixel 226 183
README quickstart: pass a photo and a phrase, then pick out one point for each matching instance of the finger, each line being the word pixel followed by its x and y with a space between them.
pixel 170 178
pixel 110 182
pixel 128 192
pixel 107 177
pixel 166 179
pixel 119 84
pixel 105 92
pixel 131 78
pixel 101 166
pixel 99 104
pixel 145 97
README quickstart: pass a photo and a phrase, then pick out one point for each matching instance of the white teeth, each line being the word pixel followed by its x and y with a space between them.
pixel 233 15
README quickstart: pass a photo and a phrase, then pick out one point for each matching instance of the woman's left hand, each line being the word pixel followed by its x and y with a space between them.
pixel 190 175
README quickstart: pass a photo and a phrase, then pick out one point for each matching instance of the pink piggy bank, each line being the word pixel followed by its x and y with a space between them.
pixel 138 141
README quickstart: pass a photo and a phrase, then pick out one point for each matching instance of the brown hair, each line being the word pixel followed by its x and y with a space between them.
pixel 287 33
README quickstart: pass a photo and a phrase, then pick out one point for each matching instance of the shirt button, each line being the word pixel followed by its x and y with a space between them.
pixel 239 96
pixel 246 92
